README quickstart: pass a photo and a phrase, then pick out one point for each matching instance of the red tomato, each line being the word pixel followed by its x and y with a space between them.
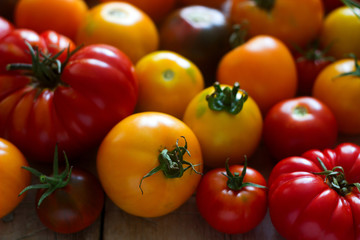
pixel 5 27
pixel 232 200
pixel 296 125
pixel 76 107
pixel 306 205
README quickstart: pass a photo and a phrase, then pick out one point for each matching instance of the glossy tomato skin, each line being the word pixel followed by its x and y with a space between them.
pixel 256 66
pixel 96 89
pixel 231 211
pixel 167 82
pixel 5 27
pixel 291 22
pixel 43 15
pixel 131 150
pixel 74 207
pixel 340 94
pixel 13 178
pixel 296 125
pixel 198 33
pixel 302 206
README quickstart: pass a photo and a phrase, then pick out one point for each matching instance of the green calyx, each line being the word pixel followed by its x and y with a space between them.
pixel 335 179
pixel 171 163
pixel 227 99
pixel 356 72
pixel 56 181
pixel 45 69
pixel 266 5
pixel 236 181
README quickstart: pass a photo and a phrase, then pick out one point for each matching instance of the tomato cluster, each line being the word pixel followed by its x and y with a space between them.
pixel 173 99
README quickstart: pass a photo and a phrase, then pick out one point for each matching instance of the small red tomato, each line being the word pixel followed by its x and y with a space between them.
pixel 232 199
pixel 5 27
pixel 296 125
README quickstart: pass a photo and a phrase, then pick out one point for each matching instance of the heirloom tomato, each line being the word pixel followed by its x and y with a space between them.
pixel 292 22
pixel 12 177
pixel 156 9
pixel 149 164
pixel 67 201
pixel 62 16
pixel 341 32
pixel 167 82
pixel 296 125
pixel 338 86
pixel 264 67
pixel 121 25
pixel 73 103
pixel 233 199
pixel 5 27
pixel 316 196
pixel 227 122
pixel 198 33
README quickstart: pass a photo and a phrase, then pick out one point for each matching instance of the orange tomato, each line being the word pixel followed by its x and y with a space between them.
pixel 121 25
pixel 264 67
pixel 156 9
pixel 167 82
pixel 62 16
pixel 293 22
pixel 13 179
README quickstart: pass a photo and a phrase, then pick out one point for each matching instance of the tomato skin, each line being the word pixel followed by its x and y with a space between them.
pixel 13 178
pixel 340 94
pixel 73 114
pixel 5 27
pixel 296 125
pixel 221 134
pixel 230 211
pixel 74 207
pixel 303 206
pixel 167 82
pixel 131 149
pixel 43 15
pixel 255 65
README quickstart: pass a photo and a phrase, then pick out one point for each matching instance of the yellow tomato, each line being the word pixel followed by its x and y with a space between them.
pixel 167 82
pixel 121 25
pixel 223 134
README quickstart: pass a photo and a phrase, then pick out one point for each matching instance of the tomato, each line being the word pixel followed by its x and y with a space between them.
pixel 67 201
pixel 122 25
pixel 340 93
pixel 198 33
pixel 12 177
pixel 291 22
pixel 39 107
pixel 167 82
pixel 5 27
pixel 307 202
pixel 131 156
pixel 296 125
pixel 232 200
pixel 341 32
pixel 43 15
pixel 264 67
pixel 156 9
pixel 227 123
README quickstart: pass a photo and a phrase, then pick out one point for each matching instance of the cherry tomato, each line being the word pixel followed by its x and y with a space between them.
pixel 264 67
pixel 12 177
pixel 227 123
pixel 296 125
pixel 122 25
pixel 232 200
pixel 341 93
pixel 292 22
pixel 167 82
pixel 341 32
pixel 62 16
pixel 5 27
pixel 149 164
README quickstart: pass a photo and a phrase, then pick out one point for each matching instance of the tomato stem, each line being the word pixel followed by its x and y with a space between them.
pixel 227 99
pixel 171 163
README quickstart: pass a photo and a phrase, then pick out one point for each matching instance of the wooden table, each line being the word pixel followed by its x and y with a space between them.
pixel 184 223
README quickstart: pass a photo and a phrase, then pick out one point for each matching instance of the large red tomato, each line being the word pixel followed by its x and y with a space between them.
pixel 73 102
pixel 316 196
